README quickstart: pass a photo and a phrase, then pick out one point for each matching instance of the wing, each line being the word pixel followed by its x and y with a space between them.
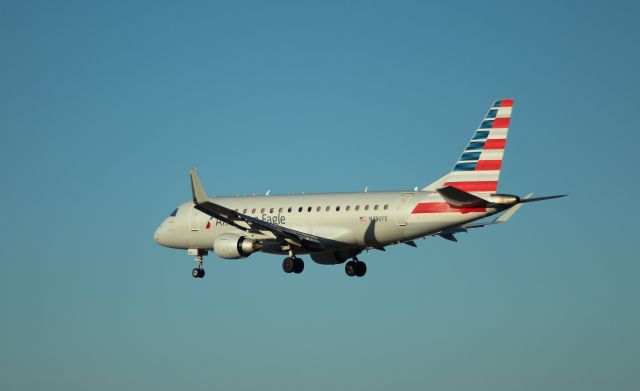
pixel 248 223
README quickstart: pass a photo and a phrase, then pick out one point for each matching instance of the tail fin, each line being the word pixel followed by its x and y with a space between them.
pixel 478 168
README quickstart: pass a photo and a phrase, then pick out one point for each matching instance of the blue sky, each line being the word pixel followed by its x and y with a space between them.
pixel 104 106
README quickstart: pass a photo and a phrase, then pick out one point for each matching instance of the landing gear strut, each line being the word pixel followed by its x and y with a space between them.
pixel 291 264
pixel 198 271
pixel 355 268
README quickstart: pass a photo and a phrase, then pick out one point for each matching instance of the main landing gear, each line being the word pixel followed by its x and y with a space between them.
pixel 291 264
pixel 198 272
pixel 355 268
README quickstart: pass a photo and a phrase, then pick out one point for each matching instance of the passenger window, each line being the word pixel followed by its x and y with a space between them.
pixel 174 213
pixel 328 208
pixel 309 209
pixel 289 210
pixel 337 209
pixel 253 211
pixel 357 207
pixel 375 207
pixel 280 210
pixel 318 209
pixel 271 210
pixel 386 206
pixel 244 211
pixel 300 209
pixel 262 210
pixel 366 207
pixel 348 207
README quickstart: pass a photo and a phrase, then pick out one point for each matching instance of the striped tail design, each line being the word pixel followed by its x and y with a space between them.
pixel 478 168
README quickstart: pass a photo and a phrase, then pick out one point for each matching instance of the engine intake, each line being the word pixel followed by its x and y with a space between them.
pixel 232 246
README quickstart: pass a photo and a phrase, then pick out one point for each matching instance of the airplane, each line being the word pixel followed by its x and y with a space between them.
pixel 335 228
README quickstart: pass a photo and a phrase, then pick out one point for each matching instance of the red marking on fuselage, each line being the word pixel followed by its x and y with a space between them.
pixel 208 224
pixel 442 207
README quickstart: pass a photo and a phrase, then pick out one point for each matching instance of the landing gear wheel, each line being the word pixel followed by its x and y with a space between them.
pixel 350 268
pixel 361 269
pixel 298 265
pixel 288 265
pixel 198 272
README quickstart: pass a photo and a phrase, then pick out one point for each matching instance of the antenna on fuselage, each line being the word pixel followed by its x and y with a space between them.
pixel 268 191
pixel 366 188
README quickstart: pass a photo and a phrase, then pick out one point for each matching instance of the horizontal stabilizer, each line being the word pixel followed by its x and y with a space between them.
pixel 459 198
pixel 544 198
pixel 503 218
pixel 511 211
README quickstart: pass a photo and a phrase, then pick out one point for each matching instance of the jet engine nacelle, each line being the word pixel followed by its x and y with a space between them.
pixel 232 246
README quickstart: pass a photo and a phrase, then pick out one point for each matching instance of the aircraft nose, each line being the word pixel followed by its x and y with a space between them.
pixel 157 236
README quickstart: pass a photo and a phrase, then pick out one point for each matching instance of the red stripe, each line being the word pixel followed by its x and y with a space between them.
pixel 497 143
pixel 474 186
pixel 506 103
pixel 442 207
pixel 501 123
pixel 484 165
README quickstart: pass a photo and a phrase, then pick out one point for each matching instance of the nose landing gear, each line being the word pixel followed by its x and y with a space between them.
pixel 355 268
pixel 198 271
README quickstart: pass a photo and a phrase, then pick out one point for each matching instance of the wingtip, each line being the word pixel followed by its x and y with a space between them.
pixel 197 191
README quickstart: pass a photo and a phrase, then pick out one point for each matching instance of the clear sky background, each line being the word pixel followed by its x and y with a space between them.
pixel 104 106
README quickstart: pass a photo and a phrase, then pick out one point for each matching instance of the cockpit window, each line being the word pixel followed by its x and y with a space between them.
pixel 174 213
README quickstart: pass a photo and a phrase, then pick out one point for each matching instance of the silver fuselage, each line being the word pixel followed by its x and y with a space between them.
pixel 363 220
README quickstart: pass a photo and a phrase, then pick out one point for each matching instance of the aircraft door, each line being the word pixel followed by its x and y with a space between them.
pixel 401 209
pixel 194 219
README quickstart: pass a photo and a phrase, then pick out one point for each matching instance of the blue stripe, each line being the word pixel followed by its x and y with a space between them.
pixel 465 166
pixel 492 113
pixel 486 124
pixel 470 156
pixel 480 135
pixel 475 145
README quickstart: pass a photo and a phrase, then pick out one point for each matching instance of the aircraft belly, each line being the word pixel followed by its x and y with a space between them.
pixel 422 225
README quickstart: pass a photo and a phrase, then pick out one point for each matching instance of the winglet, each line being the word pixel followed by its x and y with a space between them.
pixel 199 196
